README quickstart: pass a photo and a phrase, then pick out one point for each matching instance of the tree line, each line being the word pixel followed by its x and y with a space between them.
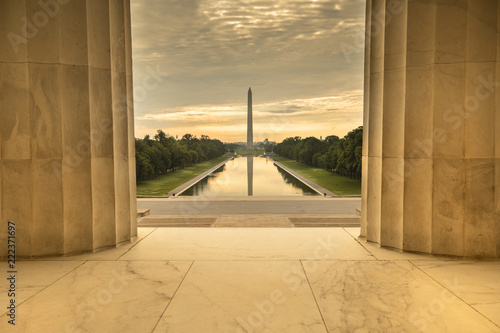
pixel 341 156
pixel 163 153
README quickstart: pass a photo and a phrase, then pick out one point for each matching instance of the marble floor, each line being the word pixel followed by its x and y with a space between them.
pixel 250 280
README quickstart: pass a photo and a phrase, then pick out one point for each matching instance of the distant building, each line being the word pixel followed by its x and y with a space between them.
pixel 266 141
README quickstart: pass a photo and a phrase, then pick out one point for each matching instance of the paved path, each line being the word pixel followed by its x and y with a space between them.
pixel 245 205
pixel 321 190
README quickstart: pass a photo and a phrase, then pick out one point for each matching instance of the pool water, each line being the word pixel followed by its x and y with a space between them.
pixel 249 176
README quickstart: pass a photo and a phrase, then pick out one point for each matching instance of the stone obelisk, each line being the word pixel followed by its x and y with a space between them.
pixel 249 121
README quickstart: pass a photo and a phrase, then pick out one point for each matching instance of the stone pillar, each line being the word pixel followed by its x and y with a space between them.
pixel 431 162
pixel 67 168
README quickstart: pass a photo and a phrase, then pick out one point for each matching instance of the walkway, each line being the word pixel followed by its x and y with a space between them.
pixel 250 205
pixel 206 280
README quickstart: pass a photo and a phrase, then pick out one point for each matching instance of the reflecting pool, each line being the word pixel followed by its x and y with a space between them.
pixel 249 176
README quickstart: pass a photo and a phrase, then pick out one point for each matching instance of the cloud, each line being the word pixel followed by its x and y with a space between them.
pixel 214 49
pixel 276 121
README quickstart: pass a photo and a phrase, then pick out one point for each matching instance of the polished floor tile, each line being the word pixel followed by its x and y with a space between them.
pixel 248 244
pixel 32 277
pixel 254 280
pixel 250 296
pixel 389 296
pixel 476 282
pixel 103 297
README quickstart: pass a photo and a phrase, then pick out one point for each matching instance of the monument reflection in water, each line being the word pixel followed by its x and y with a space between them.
pixel 249 176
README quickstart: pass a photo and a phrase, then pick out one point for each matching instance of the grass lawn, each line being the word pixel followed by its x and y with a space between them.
pixel 166 183
pixel 249 151
pixel 337 184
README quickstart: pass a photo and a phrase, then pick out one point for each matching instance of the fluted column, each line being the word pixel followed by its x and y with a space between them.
pixel 431 154
pixel 66 122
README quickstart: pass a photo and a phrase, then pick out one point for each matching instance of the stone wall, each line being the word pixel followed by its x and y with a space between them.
pixel 67 174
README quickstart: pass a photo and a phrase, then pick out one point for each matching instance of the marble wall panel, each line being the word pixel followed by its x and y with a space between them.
pixel 376 114
pixel 101 112
pixel 73 45
pixel 417 209
pixel 497 113
pixel 449 108
pixel 133 197
pixel 13 37
pixel 479 110
pixel 366 95
pixel 47 210
pixel 374 200
pixel 122 199
pixel 99 51
pixel 421 33
pixel 120 114
pixel 377 34
pixel 419 138
pixel 497 207
pixel 103 202
pixel 448 206
pixel 131 157
pixel 15 136
pixel 393 120
pixel 117 33
pixel 3 226
pixel 128 39
pixel 481 30
pixel 17 202
pixel 45 111
pixel 392 194
pixel 44 33
pixel 75 112
pixel 364 194
pixel 451 27
pixel 480 219
pixel 77 189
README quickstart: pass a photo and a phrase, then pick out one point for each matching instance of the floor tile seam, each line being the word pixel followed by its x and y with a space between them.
pixel 255 260
pixel 133 245
pixel 314 296
pixel 358 241
pixel 50 284
pixel 453 293
pixel 173 295
pixel 484 303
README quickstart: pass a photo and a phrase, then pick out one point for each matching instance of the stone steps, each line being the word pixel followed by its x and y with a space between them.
pixel 250 221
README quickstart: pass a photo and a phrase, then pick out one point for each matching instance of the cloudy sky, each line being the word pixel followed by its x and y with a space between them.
pixel 195 59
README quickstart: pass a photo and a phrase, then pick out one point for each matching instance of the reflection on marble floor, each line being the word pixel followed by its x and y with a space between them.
pixel 254 280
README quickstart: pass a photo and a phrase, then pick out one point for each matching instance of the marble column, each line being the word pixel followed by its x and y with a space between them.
pixel 67 168
pixel 431 178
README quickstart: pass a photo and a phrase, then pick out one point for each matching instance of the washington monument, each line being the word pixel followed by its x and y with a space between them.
pixel 249 121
